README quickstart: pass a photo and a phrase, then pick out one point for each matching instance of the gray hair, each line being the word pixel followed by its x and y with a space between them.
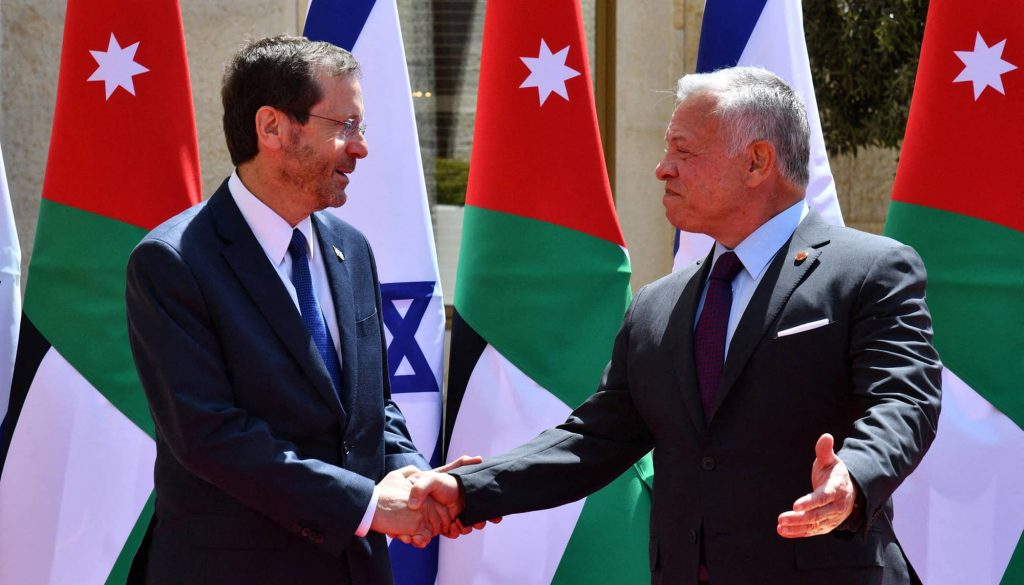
pixel 755 104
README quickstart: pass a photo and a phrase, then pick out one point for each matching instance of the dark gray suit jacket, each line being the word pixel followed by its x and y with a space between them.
pixel 870 377
pixel 262 473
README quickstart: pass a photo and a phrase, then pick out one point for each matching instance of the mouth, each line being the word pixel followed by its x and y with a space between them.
pixel 342 174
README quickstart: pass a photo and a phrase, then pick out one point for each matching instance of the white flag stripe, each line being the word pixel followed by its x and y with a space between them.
pixel 388 202
pixel 388 197
pixel 966 494
pixel 77 476
pixel 508 409
pixel 777 44
pixel 10 291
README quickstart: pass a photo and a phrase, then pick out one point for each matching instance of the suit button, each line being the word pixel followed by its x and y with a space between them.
pixel 707 463
pixel 304 533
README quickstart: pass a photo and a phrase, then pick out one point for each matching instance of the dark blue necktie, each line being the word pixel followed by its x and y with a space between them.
pixel 312 316
pixel 709 337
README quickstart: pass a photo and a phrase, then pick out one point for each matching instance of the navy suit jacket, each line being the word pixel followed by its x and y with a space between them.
pixel 262 473
pixel 870 376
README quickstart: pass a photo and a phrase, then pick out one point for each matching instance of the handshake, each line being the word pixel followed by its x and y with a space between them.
pixel 415 506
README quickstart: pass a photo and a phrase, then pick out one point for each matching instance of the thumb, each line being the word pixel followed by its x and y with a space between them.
pixel 823 450
pixel 419 492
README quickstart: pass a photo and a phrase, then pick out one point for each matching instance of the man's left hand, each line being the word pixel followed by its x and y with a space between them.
pixel 830 502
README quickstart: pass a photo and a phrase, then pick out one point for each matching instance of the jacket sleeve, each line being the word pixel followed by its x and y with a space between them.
pixel 598 442
pixel 399 449
pixel 896 376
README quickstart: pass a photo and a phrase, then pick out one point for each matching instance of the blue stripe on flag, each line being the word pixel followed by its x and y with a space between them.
pixel 725 32
pixel 337 21
pixel 413 566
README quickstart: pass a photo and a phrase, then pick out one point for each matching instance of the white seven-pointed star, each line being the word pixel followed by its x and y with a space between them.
pixel 548 72
pixel 117 67
pixel 984 66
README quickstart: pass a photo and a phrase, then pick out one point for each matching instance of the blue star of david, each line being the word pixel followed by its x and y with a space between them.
pixel 403 335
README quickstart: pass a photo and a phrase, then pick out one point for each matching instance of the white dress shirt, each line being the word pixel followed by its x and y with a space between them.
pixel 274 235
pixel 755 252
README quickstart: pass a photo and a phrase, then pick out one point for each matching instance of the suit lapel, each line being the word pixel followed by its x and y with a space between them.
pixel 250 265
pixel 680 331
pixel 333 248
pixel 782 276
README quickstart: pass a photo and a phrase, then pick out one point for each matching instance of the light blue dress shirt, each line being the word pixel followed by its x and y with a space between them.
pixel 755 252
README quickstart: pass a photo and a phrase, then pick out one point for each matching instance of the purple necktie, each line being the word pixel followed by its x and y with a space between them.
pixel 709 337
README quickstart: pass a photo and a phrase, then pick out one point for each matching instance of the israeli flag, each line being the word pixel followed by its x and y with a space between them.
pixel 388 202
pixel 768 34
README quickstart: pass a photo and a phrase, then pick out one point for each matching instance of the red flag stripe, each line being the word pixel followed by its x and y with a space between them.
pixel 958 154
pixel 532 159
pixel 133 158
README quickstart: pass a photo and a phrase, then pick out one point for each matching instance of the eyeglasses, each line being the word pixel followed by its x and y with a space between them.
pixel 348 127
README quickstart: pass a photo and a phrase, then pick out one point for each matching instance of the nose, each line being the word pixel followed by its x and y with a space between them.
pixel 356 146
pixel 665 169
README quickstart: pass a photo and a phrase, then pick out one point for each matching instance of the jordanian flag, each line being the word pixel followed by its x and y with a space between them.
pixel 389 205
pixel 768 34
pixel 959 200
pixel 78 475
pixel 542 285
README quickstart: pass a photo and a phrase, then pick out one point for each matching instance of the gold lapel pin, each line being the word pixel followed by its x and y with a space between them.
pixel 800 256
pixel 341 256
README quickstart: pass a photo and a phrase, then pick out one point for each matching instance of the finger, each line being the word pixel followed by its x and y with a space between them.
pixel 436 518
pixel 420 540
pixel 404 538
pixel 463 460
pixel 800 531
pixel 823 450
pixel 829 516
pixel 496 520
pixel 409 471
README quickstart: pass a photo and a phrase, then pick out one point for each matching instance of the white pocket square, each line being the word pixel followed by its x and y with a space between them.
pixel 802 328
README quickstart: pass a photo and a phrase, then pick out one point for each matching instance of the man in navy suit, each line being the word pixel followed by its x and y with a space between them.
pixel 793 347
pixel 255 324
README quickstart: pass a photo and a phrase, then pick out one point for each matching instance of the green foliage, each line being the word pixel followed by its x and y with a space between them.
pixel 452 175
pixel 864 57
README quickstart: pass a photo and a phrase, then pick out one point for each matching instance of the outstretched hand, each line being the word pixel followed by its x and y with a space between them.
pixel 831 500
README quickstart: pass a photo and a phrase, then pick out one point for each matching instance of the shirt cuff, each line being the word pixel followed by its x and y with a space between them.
pixel 367 521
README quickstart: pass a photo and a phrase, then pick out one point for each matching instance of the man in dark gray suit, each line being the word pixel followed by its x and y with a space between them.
pixel 795 346
pixel 255 324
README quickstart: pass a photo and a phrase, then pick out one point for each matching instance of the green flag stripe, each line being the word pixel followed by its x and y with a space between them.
pixel 123 565
pixel 976 295
pixel 75 297
pixel 1014 574
pixel 549 299
pixel 613 531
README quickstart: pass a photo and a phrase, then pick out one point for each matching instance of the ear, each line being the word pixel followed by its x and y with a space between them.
pixel 761 156
pixel 271 128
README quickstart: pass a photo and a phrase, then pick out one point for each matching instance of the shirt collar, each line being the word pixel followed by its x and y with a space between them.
pixel 271 230
pixel 757 249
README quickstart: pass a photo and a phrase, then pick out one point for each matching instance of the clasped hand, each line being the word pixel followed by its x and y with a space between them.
pixel 415 506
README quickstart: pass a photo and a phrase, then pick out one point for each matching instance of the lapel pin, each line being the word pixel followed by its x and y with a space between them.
pixel 341 256
pixel 800 256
